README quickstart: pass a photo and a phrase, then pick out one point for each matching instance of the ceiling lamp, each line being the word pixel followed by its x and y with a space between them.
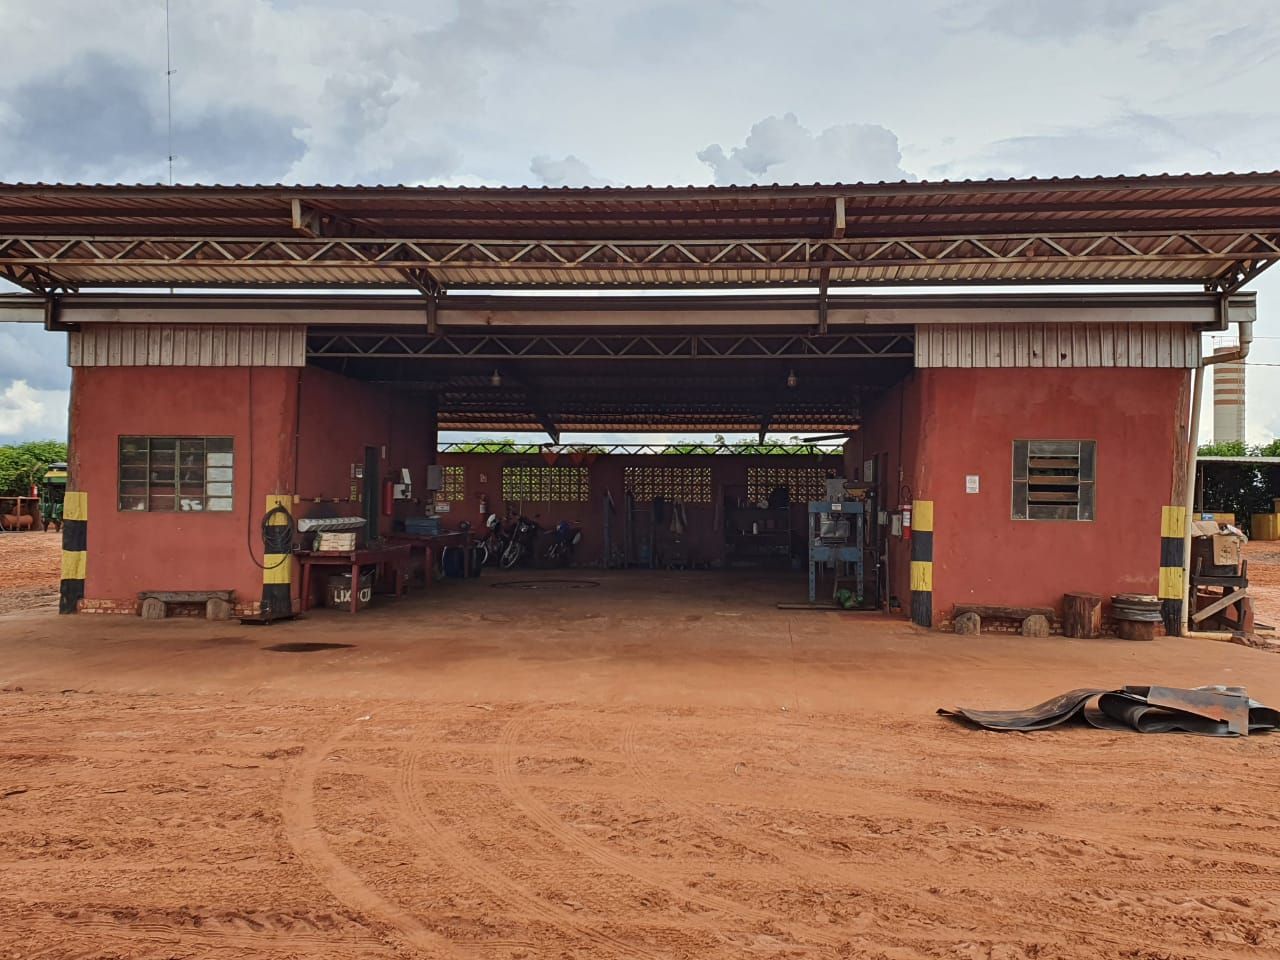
pixel 495 379
pixel 792 380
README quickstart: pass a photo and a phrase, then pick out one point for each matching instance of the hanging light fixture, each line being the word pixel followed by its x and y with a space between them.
pixel 792 379
pixel 495 379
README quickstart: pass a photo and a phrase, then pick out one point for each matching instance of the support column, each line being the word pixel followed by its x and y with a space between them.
pixel 277 558
pixel 432 432
pixel 75 550
pixel 1173 526
pixel 922 563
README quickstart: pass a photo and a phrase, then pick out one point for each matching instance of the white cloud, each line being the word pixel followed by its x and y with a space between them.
pixel 30 414
pixel 465 92
pixel 568 171
pixel 780 150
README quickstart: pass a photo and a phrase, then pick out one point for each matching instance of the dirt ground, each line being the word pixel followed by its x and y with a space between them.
pixel 29 566
pixel 1264 579
pixel 659 766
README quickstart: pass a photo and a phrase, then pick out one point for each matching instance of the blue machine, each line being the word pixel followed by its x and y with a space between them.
pixel 835 542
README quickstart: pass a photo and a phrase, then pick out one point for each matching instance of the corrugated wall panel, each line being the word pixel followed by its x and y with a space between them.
pixel 1057 345
pixel 168 345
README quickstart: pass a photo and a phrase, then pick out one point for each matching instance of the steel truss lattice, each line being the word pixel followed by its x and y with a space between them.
pixel 703 346
pixel 769 448
pixel 1221 260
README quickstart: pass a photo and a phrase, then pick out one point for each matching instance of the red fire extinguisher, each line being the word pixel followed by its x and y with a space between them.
pixel 388 497
pixel 906 521
pixel 484 506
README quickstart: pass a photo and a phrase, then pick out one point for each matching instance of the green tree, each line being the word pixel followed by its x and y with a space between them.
pixel 1240 488
pixel 22 464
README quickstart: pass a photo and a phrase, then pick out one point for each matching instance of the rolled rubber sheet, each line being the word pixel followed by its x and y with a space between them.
pixel 1214 711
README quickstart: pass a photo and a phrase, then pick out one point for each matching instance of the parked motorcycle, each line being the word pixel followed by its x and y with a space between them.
pixel 490 546
pixel 566 537
pixel 520 544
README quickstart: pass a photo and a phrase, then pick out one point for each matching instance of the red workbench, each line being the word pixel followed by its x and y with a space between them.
pixel 391 556
pixel 431 546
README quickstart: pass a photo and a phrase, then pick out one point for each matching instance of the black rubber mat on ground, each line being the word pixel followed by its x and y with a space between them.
pixel 1208 711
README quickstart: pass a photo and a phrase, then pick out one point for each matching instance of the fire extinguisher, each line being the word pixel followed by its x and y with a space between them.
pixel 906 521
pixel 484 506
pixel 388 497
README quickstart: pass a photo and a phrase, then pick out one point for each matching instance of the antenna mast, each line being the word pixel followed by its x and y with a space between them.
pixel 168 89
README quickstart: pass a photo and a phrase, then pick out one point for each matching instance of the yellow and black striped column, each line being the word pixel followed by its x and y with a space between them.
pixel 922 563
pixel 1173 588
pixel 277 565
pixel 75 550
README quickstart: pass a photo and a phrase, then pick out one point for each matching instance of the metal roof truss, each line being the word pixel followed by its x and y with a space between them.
pixel 1220 260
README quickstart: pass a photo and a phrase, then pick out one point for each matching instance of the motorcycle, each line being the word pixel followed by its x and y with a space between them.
pixel 520 544
pixel 490 547
pixel 567 536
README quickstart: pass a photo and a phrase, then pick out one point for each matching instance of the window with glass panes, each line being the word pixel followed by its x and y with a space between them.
pixel 176 474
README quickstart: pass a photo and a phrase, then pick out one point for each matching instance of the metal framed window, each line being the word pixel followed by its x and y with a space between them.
pixel 686 484
pixel 1054 479
pixel 804 484
pixel 176 474
pixel 545 484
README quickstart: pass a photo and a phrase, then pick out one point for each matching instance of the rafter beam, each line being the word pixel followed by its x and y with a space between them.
pixel 306 220
pixel 34 279
pixel 537 403
pixel 1238 276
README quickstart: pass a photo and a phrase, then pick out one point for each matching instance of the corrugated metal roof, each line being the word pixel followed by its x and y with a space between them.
pixel 1190 228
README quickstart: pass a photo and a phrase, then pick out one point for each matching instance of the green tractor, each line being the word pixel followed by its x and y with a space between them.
pixel 53 490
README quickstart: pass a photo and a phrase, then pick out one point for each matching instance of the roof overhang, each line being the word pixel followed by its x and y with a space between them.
pixel 1214 231
pixel 740 312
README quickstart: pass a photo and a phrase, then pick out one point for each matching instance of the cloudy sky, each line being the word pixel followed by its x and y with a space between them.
pixel 628 92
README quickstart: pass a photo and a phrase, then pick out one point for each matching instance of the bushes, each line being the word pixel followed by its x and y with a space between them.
pixel 1240 488
pixel 22 464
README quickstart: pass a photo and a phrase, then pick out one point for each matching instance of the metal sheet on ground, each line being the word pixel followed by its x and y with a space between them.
pixel 1208 711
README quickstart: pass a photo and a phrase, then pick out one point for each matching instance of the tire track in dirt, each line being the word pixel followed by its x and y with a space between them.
pixel 911 877
pixel 995 813
pixel 510 784
pixel 444 848
pixel 305 835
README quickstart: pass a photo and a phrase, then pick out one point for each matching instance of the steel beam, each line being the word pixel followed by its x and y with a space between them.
pixel 863 345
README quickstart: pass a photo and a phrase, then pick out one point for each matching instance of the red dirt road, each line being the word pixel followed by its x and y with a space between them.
pixel 1264 579
pixel 29 566
pixel 658 767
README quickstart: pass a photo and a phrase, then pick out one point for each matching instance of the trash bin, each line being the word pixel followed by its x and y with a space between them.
pixel 338 590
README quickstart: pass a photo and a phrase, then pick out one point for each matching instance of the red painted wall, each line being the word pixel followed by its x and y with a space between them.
pixel 969 421
pixel 891 434
pixel 340 417
pixel 704 536
pixel 131 551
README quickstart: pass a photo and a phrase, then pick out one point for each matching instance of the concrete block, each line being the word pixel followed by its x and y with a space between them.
pixel 153 609
pixel 1035 626
pixel 217 609
pixel 968 625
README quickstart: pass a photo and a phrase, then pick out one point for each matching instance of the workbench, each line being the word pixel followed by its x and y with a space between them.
pixel 391 557
pixel 431 546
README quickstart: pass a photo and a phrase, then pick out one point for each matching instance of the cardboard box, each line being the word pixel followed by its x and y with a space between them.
pixel 1218 547
pixel 333 541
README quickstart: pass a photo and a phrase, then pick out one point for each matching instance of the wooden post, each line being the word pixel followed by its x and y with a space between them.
pixel 1081 615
